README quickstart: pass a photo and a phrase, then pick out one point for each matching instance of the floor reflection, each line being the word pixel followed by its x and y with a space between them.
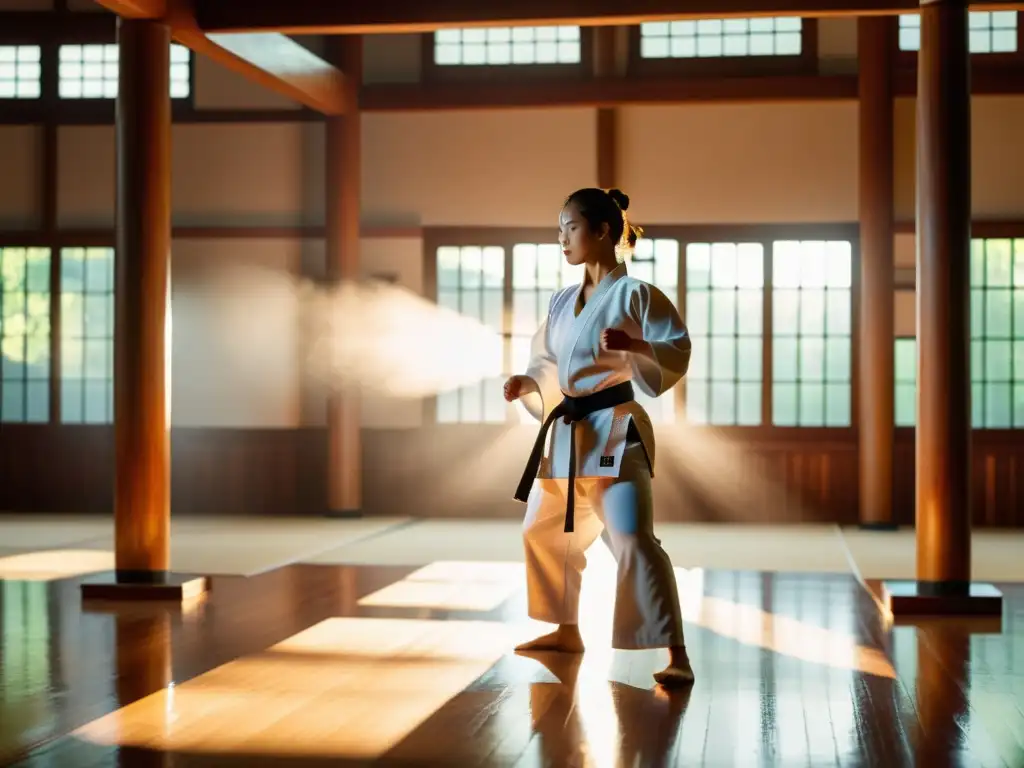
pixel 311 666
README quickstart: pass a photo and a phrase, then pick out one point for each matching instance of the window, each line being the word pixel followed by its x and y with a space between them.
pixel 500 46
pixel 905 366
pixel 657 262
pixel 537 272
pixel 471 281
pixel 24 335
pixel 20 72
pixel 90 71
pixel 811 333
pixel 997 333
pixel 724 313
pixel 706 38
pixel 87 335
pixel 997 341
pixel 988 32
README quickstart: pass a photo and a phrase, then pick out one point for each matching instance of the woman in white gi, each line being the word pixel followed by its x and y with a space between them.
pixel 599 337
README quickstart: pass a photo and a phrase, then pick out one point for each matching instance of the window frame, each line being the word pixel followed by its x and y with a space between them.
pixel 803 63
pixel 92 108
pixel 507 237
pixel 980 230
pixel 431 72
pixel 58 289
pixel 907 60
pixel 50 30
pixel 54 337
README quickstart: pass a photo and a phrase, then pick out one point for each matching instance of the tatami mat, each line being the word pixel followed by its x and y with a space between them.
pixel 752 548
pixel 421 542
pixel 995 555
pixel 228 546
pixel 247 546
pixel 779 548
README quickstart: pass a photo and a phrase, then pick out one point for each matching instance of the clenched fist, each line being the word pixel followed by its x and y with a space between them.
pixel 517 386
pixel 614 340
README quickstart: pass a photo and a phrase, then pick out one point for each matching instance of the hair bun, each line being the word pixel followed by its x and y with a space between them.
pixel 621 198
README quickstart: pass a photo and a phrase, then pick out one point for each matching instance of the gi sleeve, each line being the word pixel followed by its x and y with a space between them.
pixel 543 369
pixel 667 355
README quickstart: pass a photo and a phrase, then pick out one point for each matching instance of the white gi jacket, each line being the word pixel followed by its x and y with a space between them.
pixel 567 359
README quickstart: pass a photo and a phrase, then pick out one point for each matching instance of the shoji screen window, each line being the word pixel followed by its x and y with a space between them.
pixel 471 281
pixel 724 314
pixel 811 333
pixel 24 335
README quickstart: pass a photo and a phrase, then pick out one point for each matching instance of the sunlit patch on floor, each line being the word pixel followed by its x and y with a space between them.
pixel 342 688
pixel 452 586
pixel 54 564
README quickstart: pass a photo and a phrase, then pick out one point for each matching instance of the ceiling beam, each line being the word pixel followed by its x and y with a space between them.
pixel 402 16
pixel 270 59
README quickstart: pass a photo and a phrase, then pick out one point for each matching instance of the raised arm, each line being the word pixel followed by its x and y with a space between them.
pixel 662 357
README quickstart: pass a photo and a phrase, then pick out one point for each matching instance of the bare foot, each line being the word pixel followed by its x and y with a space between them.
pixel 565 639
pixel 678 673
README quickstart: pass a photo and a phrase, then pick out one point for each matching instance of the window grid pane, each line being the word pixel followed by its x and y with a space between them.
pixel 811 333
pixel 997 333
pixel 91 71
pixel 538 271
pixel 988 32
pixel 905 370
pixel 24 335
pixel 20 72
pixel 656 261
pixel 471 281
pixel 717 38
pixel 87 335
pixel 724 314
pixel 504 46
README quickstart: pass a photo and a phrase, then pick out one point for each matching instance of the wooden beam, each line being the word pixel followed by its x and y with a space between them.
pixel 271 59
pixel 607 92
pixel 405 16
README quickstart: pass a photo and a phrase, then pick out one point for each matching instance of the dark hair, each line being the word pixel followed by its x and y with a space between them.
pixel 599 207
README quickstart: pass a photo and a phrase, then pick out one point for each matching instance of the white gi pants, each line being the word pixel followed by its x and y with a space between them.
pixel 647 613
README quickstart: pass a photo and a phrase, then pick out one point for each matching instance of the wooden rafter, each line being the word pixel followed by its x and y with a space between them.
pixel 271 59
pixel 402 16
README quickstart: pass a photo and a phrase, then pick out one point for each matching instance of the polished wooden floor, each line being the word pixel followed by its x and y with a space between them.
pixel 339 665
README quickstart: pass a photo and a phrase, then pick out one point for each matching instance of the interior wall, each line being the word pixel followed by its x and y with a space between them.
pixel 21 186
pixel 741 163
pixel 997 123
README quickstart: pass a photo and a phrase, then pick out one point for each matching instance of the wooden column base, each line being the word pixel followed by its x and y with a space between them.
pixel 344 514
pixel 170 587
pixel 924 599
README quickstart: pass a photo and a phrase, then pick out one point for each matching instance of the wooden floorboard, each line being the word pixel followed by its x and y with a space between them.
pixel 400 666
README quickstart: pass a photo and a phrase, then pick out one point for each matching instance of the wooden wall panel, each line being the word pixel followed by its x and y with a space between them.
pixel 213 471
pixel 432 472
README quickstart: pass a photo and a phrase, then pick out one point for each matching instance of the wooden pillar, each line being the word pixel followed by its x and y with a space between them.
pixel 876 370
pixel 607 117
pixel 141 419
pixel 943 298
pixel 343 150
pixel 943 477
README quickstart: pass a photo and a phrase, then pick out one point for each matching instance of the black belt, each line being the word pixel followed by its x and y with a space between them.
pixel 571 409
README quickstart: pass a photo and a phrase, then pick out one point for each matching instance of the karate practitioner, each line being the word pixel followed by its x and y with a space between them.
pixel 596 464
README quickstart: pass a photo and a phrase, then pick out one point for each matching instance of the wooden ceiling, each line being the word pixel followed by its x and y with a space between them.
pixel 401 16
